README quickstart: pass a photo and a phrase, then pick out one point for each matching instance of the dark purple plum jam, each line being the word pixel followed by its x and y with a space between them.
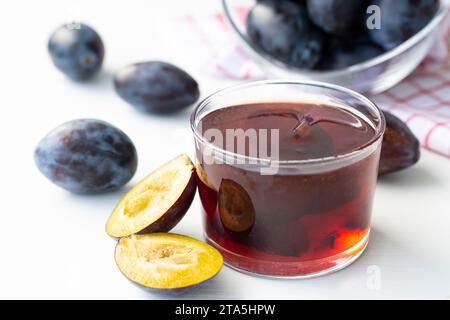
pixel 295 222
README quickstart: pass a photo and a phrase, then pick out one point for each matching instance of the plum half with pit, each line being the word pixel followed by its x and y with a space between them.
pixel 401 19
pixel 285 32
pixel 156 87
pixel 158 202
pixel 77 51
pixel 167 263
pixel 87 156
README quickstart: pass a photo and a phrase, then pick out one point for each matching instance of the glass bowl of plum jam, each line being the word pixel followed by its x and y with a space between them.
pixel 286 173
pixel 267 34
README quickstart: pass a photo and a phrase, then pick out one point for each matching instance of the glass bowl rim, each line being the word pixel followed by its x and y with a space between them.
pixel 289 163
pixel 444 8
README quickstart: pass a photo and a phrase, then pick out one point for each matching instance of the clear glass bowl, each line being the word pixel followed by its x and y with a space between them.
pixel 370 77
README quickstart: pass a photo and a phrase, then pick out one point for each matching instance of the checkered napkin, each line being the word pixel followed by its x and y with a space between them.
pixel 422 100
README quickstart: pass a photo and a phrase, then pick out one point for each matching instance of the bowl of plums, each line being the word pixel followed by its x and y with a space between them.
pixel 366 45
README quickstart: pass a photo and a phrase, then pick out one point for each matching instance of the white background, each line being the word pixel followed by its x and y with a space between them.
pixel 53 243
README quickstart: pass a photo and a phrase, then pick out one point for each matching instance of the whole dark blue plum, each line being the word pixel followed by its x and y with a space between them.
pixel 87 156
pixel 156 87
pixel 337 17
pixel 77 51
pixel 341 54
pixel 285 32
pixel 402 19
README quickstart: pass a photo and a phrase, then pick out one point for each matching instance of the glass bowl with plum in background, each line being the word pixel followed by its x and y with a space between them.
pixel 372 76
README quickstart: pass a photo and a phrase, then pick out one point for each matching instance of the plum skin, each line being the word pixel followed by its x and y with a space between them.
pixel 284 31
pixel 341 54
pixel 400 148
pixel 78 52
pixel 338 17
pixel 156 87
pixel 172 292
pixel 176 212
pixel 402 19
pixel 87 156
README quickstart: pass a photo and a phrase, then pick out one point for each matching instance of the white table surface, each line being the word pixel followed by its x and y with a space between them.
pixel 53 243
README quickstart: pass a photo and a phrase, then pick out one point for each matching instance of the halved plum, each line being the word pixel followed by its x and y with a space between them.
pixel 236 209
pixel 202 176
pixel 206 190
pixel 157 203
pixel 167 262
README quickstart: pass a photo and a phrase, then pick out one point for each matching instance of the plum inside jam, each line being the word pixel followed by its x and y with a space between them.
pixel 292 223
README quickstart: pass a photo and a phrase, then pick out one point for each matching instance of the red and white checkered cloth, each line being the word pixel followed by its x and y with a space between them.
pixel 422 100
